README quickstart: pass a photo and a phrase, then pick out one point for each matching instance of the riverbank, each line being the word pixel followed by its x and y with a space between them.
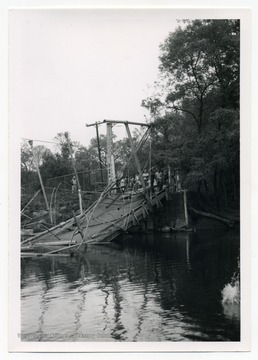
pixel 172 216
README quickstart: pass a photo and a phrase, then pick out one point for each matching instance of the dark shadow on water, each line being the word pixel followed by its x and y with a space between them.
pixel 183 273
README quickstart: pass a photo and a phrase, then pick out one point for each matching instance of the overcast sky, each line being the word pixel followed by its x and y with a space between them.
pixel 72 67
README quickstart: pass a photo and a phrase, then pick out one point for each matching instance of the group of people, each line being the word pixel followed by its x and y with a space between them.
pixel 153 181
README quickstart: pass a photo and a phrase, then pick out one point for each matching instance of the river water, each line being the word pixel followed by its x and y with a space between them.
pixel 150 287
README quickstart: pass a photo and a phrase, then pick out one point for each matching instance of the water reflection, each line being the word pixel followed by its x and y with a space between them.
pixel 155 287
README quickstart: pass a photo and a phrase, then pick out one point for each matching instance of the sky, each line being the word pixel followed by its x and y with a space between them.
pixel 72 67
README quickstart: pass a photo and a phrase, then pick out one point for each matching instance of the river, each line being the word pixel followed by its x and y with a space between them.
pixel 149 287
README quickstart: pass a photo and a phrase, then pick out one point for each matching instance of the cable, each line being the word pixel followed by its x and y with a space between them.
pixel 50 142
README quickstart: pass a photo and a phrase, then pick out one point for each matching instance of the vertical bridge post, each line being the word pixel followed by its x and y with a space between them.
pixel 96 124
pixel 110 156
pixel 99 152
pixel 185 209
pixel 137 162
pixel 75 171
pixel 40 178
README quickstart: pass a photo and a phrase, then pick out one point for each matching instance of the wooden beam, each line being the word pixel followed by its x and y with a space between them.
pixel 40 178
pixel 230 223
pixel 137 162
pixel 75 171
pixel 99 152
pixel 78 225
pixel 185 208
pixel 94 124
pixel 126 122
pixel 32 254
pixel 110 156
pixel 30 200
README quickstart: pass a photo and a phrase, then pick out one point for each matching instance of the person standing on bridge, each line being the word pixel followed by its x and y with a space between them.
pixel 122 184
pixel 137 181
pixel 74 184
pixel 131 183
pixel 178 181
pixel 158 176
pixel 145 176
pixel 152 178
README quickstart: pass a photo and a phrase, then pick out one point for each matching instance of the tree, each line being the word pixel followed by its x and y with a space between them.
pixel 196 109
pixel 199 64
pixel 30 159
pixel 26 158
pixel 82 158
pixel 62 145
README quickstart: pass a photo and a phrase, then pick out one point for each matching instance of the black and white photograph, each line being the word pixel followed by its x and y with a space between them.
pixel 127 127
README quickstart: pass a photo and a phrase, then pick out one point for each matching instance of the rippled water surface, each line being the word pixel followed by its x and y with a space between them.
pixel 155 287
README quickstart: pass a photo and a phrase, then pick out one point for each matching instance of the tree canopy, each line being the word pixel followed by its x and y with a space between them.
pixel 57 164
pixel 196 106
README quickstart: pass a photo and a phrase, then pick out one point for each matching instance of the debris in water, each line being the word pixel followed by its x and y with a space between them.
pixel 231 299
pixel 231 293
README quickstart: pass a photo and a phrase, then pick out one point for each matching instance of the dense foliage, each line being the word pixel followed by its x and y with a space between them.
pixel 196 107
pixel 56 165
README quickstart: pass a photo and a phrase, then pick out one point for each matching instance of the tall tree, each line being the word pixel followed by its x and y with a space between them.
pixel 199 64
pixel 199 71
